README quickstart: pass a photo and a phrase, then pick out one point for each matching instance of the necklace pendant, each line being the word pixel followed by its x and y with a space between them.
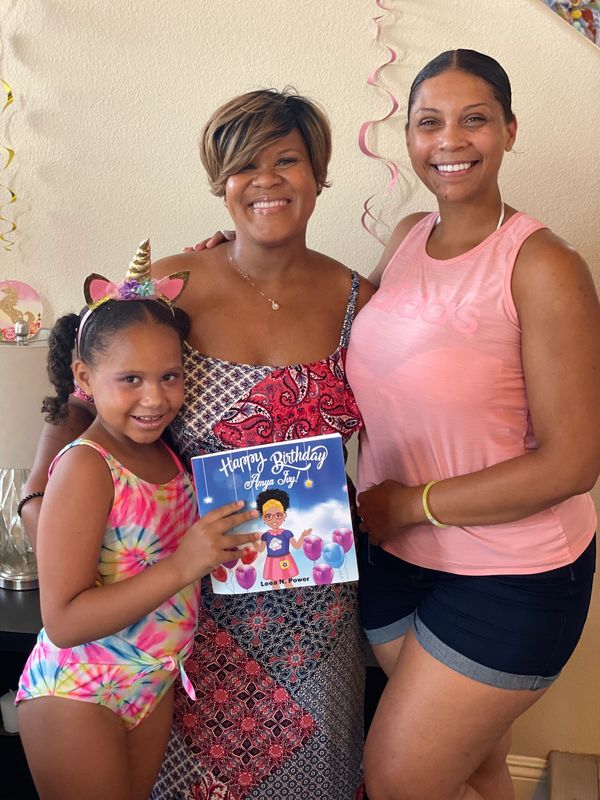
pixel 274 305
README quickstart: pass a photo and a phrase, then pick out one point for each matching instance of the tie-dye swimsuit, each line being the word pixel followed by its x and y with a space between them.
pixel 130 671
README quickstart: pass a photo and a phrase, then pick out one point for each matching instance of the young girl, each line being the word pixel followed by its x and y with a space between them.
pixel 119 550
pixel 280 564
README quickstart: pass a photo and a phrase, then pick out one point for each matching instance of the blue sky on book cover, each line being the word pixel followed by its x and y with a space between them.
pixel 311 472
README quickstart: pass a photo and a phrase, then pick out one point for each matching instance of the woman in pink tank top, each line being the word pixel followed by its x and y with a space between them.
pixel 476 369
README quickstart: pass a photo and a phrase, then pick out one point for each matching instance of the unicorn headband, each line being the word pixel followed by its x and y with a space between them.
pixel 138 285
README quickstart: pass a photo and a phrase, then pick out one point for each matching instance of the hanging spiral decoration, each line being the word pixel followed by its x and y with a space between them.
pixel 7 226
pixel 372 80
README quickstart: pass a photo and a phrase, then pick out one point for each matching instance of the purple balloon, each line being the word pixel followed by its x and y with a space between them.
pixel 312 546
pixel 322 574
pixel 230 564
pixel 245 575
pixel 344 537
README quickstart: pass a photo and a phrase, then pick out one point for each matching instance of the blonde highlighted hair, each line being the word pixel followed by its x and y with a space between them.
pixel 243 126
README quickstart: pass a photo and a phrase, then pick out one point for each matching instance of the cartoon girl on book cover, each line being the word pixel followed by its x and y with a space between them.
pixel 280 565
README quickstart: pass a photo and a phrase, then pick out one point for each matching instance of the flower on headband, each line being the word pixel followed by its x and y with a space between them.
pixel 128 290
pixel 146 289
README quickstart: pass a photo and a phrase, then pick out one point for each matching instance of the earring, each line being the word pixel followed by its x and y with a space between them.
pixel 78 392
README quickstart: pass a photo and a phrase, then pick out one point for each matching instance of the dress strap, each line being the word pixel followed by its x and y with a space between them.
pixel 104 453
pixel 350 309
pixel 174 456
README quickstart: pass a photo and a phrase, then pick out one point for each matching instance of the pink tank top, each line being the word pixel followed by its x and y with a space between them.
pixel 434 362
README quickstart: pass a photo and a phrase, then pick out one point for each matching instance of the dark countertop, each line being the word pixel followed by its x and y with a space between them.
pixel 20 618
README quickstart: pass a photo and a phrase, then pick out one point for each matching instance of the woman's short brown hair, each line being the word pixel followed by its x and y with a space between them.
pixel 243 126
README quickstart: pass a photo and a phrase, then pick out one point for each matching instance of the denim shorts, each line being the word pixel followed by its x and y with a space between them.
pixel 509 631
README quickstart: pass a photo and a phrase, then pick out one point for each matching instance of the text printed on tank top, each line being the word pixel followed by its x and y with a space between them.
pixel 462 318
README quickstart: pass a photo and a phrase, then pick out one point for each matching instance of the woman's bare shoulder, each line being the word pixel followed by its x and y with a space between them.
pixel 550 271
pixel 341 276
pixel 194 262
pixel 545 255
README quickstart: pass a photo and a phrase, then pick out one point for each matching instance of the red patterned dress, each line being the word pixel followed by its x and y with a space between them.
pixel 279 676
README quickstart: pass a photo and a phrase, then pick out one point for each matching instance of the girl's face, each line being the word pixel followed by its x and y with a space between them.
pixel 137 383
pixel 457 136
pixel 273 198
pixel 274 518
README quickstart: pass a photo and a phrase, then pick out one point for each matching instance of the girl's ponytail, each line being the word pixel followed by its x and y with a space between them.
pixel 60 355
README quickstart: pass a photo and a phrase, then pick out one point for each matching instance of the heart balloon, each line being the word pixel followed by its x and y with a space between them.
pixel 249 554
pixel 322 574
pixel 312 546
pixel 333 554
pixel 344 537
pixel 220 573
pixel 245 575
pixel 230 564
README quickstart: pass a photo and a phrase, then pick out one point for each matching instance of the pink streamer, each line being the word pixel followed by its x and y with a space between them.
pixel 362 135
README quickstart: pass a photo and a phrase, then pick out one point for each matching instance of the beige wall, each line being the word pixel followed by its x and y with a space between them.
pixel 109 97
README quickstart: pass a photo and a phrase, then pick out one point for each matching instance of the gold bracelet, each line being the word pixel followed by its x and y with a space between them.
pixel 426 509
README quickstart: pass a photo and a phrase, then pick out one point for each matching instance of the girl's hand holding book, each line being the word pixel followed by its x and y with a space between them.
pixel 208 542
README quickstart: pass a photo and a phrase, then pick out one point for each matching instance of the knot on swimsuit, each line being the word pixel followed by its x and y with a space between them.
pixel 171 663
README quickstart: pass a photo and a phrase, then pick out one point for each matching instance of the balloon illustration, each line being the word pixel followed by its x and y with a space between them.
pixel 322 574
pixel 249 554
pixel 312 546
pixel 245 575
pixel 333 554
pixel 232 561
pixel 220 573
pixel 344 537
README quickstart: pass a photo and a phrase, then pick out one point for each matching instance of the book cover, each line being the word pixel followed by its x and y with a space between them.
pixel 299 488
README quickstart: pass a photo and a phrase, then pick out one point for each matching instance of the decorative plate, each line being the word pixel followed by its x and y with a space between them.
pixel 19 301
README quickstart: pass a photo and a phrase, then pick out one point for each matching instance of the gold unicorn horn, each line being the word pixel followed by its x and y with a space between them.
pixel 139 267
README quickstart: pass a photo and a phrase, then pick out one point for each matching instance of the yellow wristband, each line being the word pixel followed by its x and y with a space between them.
pixel 426 510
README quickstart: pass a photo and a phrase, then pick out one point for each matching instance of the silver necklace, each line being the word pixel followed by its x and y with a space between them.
pixel 500 219
pixel 246 277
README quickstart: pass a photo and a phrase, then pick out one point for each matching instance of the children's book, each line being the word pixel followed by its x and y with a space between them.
pixel 299 488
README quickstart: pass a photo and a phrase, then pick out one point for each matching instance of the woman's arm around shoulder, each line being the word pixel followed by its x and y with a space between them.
pixel 398 235
pixel 559 314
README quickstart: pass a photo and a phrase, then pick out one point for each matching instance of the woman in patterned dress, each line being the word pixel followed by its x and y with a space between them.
pixel 279 676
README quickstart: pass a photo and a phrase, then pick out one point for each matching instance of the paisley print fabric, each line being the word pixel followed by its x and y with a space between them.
pixel 279 676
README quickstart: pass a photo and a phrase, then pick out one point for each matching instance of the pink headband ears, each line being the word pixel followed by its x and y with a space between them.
pixel 138 283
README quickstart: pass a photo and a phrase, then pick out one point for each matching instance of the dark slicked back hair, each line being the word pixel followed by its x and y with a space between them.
pixel 473 63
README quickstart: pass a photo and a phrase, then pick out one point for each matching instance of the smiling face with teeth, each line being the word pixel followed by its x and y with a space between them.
pixel 136 383
pixel 273 197
pixel 456 137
